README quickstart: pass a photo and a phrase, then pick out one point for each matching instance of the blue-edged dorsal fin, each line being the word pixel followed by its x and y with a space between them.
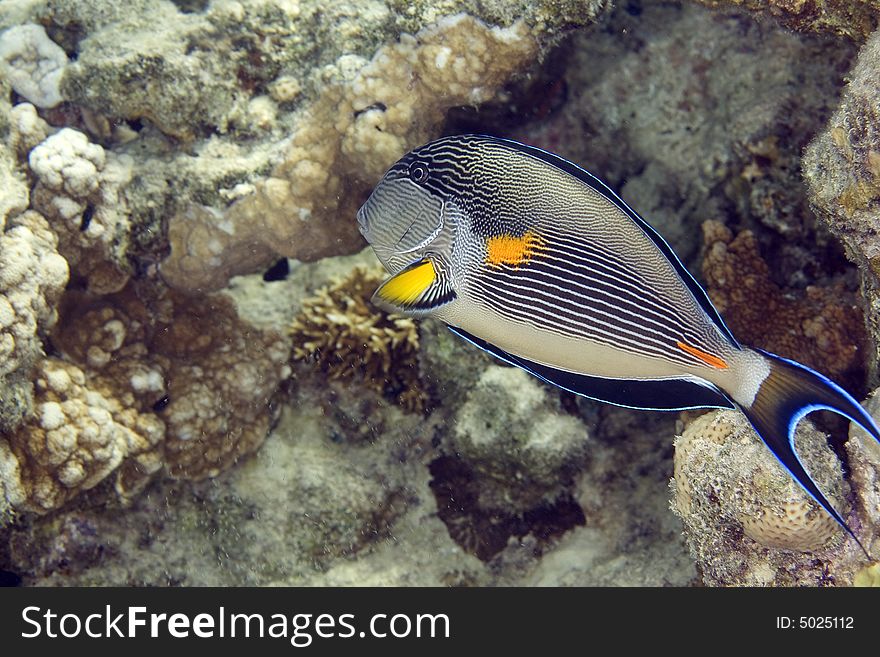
pixel 592 181
pixel 658 394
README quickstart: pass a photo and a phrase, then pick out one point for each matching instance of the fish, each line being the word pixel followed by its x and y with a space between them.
pixel 536 261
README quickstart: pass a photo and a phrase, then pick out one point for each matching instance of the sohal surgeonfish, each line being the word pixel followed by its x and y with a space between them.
pixel 536 261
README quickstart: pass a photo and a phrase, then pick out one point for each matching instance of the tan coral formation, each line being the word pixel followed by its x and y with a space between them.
pixel 344 142
pixel 154 381
pixel 207 373
pixel 855 19
pixel 747 522
pixel 822 327
pixel 347 337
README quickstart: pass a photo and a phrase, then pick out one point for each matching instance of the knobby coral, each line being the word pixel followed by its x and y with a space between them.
pixel 151 380
pixel 347 337
pixel 32 278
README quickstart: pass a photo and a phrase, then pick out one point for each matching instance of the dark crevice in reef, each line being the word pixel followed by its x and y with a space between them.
pixel 486 532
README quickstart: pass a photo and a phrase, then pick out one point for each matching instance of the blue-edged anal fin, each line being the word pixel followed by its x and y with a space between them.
pixel 658 395
pixel 790 392
pixel 417 289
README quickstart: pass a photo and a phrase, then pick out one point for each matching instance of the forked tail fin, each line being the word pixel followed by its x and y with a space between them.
pixel 789 392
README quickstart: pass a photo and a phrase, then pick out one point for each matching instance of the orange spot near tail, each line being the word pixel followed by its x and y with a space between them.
pixel 709 359
pixel 511 250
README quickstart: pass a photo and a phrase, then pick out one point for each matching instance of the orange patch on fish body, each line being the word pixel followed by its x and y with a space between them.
pixel 512 250
pixel 707 358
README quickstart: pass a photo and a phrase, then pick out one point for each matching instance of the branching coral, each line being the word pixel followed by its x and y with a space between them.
pixel 348 337
pixel 821 327
pixel 747 522
pixel 304 209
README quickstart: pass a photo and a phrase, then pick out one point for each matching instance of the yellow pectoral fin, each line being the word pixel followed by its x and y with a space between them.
pixel 419 287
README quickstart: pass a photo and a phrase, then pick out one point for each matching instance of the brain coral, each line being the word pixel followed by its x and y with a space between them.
pixel 746 521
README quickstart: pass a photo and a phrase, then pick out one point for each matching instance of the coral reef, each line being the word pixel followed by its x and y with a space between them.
pixel 155 388
pixel 748 522
pixel 389 106
pixel 348 338
pixel 227 133
pixel 210 381
pixel 822 327
pixel 32 278
pixel 855 19
pixel 842 170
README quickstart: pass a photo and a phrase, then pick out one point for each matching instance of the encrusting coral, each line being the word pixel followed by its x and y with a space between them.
pixel 348 338
pixel 747 522
pixel 34 64
pixel 842 170
pixel 822 327
pixel 855 19
pixel 151 385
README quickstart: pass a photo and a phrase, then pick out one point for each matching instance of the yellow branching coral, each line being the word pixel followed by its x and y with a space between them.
pixel 341 331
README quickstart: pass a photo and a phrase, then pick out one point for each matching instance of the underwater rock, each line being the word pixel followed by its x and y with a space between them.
pixel 679 125
pixel 512 432
pixel 855 19
pixel 747 522
pixel 842 170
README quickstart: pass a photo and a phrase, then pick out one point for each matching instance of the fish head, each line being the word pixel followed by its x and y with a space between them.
pixel 405 213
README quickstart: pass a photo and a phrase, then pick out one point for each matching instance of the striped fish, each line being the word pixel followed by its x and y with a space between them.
pixel 538 262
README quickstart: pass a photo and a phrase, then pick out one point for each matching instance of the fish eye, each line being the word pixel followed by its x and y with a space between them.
pixel 418 172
